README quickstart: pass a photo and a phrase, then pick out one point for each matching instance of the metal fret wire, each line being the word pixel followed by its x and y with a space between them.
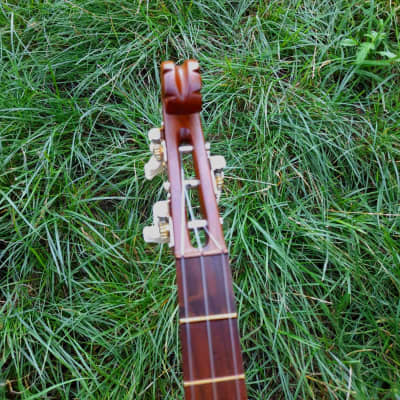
pixel 204 282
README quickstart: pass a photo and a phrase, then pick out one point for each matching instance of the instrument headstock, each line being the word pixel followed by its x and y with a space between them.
pixel 177 144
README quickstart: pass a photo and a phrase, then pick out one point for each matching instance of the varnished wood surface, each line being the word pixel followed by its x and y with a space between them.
pixel 212 360
pixel 193 275
pixel 225 391
pixel 181 86
pixel 181 106
pixel 218 281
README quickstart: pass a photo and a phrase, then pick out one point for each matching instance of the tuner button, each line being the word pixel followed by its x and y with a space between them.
pixel 154 135
pixel 161 209
pixel 156 234
pixel 157 147
pixel 160 231
pixel 166 186
pixel 151 234
pixel 217 163
pixel 156 143
pixel 153 167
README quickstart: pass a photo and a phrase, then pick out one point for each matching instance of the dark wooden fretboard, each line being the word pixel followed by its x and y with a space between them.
pixel 212 360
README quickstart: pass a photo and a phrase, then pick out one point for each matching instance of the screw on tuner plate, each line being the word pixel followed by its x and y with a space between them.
pixel 161 230
pixel 157 161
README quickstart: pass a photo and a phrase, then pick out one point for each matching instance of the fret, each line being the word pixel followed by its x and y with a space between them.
pixel 212 317
pixel 221 333
pixel 212 380
pixel 225 391
pixel 220 293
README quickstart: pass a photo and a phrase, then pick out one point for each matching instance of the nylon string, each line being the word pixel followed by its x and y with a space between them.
pixel 204 284
pixel 229 310
pixel 184 288
pixel 186 199
pixel 205 292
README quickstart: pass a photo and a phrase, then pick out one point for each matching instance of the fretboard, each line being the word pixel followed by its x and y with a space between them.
pixel 212 360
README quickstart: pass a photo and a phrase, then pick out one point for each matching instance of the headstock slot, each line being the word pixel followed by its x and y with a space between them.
pixel 198 238
pixel 196 224
pixel 187 162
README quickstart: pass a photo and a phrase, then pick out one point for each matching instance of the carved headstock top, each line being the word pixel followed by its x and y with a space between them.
pixel 181 86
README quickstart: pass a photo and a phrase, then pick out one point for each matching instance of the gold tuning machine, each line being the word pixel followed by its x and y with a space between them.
pixel 156 164
pixel 217 164
pixel 161 230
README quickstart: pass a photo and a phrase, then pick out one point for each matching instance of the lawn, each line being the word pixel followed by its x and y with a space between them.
pixel 302 99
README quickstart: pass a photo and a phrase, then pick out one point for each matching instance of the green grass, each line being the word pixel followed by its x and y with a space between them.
pixel 301 97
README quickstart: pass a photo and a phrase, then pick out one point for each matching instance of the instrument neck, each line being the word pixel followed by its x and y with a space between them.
pixel 212 361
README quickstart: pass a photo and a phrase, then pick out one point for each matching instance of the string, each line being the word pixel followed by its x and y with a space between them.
pixel 211 236
pixel 229 310
pixel 205 292
pixel 186 197
pixel 230 322
pixel 184 287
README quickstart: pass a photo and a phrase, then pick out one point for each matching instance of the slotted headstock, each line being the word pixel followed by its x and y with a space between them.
pixel 179 147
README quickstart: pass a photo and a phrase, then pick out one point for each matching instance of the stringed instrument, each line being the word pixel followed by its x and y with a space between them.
pixel 212 359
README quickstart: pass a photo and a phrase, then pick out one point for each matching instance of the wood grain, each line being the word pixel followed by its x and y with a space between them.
pixel 212 359
pixel 195 276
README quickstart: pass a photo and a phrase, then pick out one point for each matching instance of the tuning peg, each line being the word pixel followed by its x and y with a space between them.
pixel 208 148
pixel 151 234
pixel 156 234
pixel 160 231
pixel 161 209
pixel 218 164
pixel 154 134
pixel 152 168
pixel 166 186
pixel 156 144
pixel 157 161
